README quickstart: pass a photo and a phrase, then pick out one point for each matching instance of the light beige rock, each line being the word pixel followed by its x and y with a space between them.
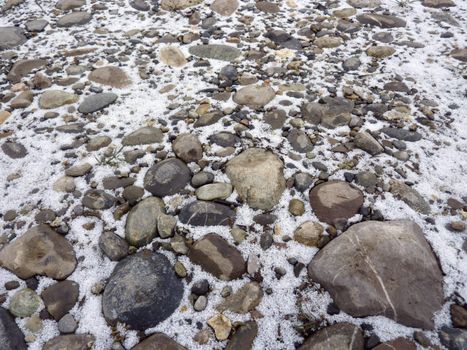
pixel 172 56
pixel 309 233
pixel 56 98
pixel 110 75
pixel 221 326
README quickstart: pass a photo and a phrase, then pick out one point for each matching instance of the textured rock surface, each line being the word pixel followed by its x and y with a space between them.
pixel 141 223
pixel 204 213
pixel 340 336
pixel 11 336
pixel 158 341
pixel 167 177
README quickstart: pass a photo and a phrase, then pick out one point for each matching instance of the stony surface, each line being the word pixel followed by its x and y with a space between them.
pixel 11 336
pixel 337 336
pixel 167 177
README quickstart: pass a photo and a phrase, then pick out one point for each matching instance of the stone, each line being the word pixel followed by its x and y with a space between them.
pixel 397 344
pixel 56 98
pixel 98 142
pixel 77 18
pixel 166 225
pixel 224 7
pixel 257 176
pixel 302 181
pixel 243 337
pixel 9 4
pixel 36 25
pixel 217 257
pixel 382 268
pixel 11 37
pixel 268 7
pixel 224 139
pixel 64 184
pixel 382 21
pixel 366 142
pixel 221 326
pixel 364 3
pixel 141 223
pixel 39 251
pixel 143 136
pixel 201 178
pixel 335 200
pixel 458 316
pixel 459 54
pixel 66 5
pixel 213 191
pixel 244 300
pixel 296 207
pixel 327 41
pixel 438 3
pixel 158 341
pixel 23 100
pixel 200 303
pixel 409 196
pixel 140 5
pixel 4 115
pixel 98 200
pixel 14 150
pixel 275 118
pixel 402 134
pixel 70 342
pixel 175 5
pixel 334 112
pixel 111 76
pixel 188 148
pixel 24 303
pixel 11 336
pixel 203 213
pixel 22 68
pixel 309 233
pixel 172 56
pixel 283 39
pixel 78 170
pixel 167 177
pixel 254 96
pixel 299 141
pixel 380 51
pixel 114 182
pixel 142 291
pixel 60 298
pixel 337 336
pixel 97 102
pixel 113 246
pixel 215 51
pixel 67 324
pixel 453 338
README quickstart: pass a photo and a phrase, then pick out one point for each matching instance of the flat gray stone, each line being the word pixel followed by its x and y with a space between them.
pixel 74 19
pixel 215 51
pixel 97 102
pixel 11 37
pixel 14 150
pixel 143 136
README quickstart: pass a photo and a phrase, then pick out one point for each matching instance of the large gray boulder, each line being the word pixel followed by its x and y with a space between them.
pixel 382 268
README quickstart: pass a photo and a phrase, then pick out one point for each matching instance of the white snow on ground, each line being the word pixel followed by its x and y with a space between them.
pixel 441 155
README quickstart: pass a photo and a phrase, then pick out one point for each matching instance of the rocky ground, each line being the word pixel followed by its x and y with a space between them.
pixel 232 174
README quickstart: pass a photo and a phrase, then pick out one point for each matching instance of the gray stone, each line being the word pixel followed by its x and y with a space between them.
pixel 243 337
pixel 11 336
pixel 366 142
pixel 141 223
pixel 218 257
pixel 410 196
pixel 97 102
pixel 283 39
pixel 364 3
pixel 202 178
pixel 275 118
pixel 78 170
pixel 309 233
pixel 114 182
pixel 453 338
pixel 66 5
pixel 352 63
pixel 22 68
pixel 383 21
pixel 382 268
pixel 74 19
pixel 24 303
pixel 167 177
pixel 98 200
pixel 244 300
pixel 36 25
pixel 224 7
pixel 140 5
pixel 188 148
pixel 39 251
pixel 67 324
pixel 254 96
pixel 166 225
pixel 213 191
pixel 224 139
pixel 11 37
pixel 14 150
pixel 98 142
pixel 339 336
pixel 203 213
pixel 111 76
pixel 303 181
pixel 438 3
pixel 257 176
pixel 142 291
pixel 175 5
pixel 143 136
pixel 215 51
pixel 70 342
pixel 332 113
pixel 299 141
pixel 60 298
pixel 459 54
pixel 113 246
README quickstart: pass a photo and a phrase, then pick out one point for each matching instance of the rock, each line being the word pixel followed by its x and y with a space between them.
pixel 174 5
pixel 254 96
pixel 366 142
pixel 352 63
pixel 4 115
pixel 283 39
pixel 142 291
pixel 77 18
pixel 337 336
pixel 36 25
pixel 113 246
pixel 332 113
pixel 213 191
pixel 257 176
pixel 438 3
pixel 296 207
pixel 215 51
pixel 64 184
pixel 56 98
pixel 309 233
pixel 217 257
pixel 458 316
pixel 98 142
pixel 224 7
pixel 244 300
pixel 459 54
pixel 97 102
pixel 409 196
pixel 167 177
pixel 9 4
pixel 275 118
pixel 11 37
pixel 166 225
pixel 268 7
pixel 200 303
pixel 172 56
pixel 188 148
pixel 143 136
pixel 111 76
pixel 24 303
pixel 299 141
pixel 397 344
pixel 158 341
pixel 14 150
pixel 67 324
pixel 221 326
pixel 382 21
pixel 23 100
pixel 39 251
pixel 364 3
pixel 70 342
pixel 203 213
pixel 327 41
pixel 66 5
pixel 302 181
pixel 380 51
pixel 335 200
pixel 11 336
pixel 98 200
pixel 78 170
pixel 402 134
pixel 224 139
pixel 140 5
pixel 201 178
pixel 453 338
pixel 243 337
pixel 382 268
pixel 141 223
pixel 60 298
pixel 22 68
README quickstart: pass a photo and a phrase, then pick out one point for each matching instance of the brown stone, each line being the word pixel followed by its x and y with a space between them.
pixel 110 75
pixel 22 68
pixel 60 298
pixel 397 344
pixel 158 341
pixel 338 336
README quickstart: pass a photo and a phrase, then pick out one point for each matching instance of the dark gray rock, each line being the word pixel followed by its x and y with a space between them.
pixel 11 336
pixel 202 213
pixel 142 291
pixel 333 112
pixel 338 336
pixel 243 337
pixel 283 39
pixel 14 150
pixel 167 177
pixel 224 139
pixel 98 200
pixel 453 338
pixel 113 246
pixel 140 5
pixel 143 136
pixel 97 102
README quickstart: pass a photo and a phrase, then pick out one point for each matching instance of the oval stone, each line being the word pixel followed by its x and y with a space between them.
pixel 167 177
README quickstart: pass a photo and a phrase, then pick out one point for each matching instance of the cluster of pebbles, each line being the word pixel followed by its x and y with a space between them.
pixel 233 174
